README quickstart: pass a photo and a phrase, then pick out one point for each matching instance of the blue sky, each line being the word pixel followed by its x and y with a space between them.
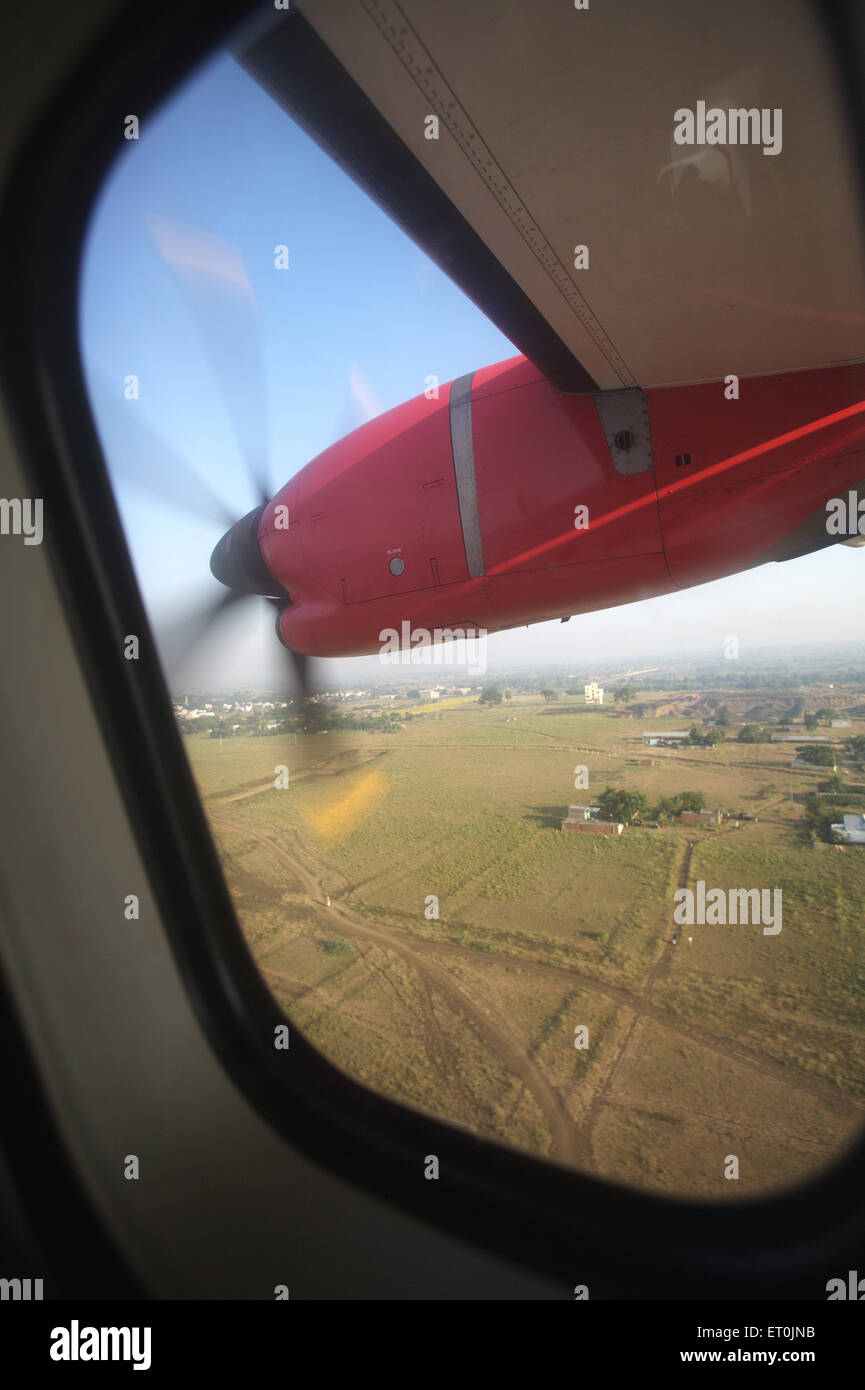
pixel 355 325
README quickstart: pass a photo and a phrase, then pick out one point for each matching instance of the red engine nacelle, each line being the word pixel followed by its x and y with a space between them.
pixel 465 512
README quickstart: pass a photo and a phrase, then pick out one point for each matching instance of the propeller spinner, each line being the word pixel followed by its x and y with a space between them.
pixel 237 562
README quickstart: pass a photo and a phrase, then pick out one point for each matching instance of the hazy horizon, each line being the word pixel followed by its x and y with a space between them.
pixel 364 671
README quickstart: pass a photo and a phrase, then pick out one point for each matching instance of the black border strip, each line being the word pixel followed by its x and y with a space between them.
pixel 621 1242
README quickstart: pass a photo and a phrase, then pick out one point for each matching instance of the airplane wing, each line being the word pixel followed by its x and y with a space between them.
pixel 561 128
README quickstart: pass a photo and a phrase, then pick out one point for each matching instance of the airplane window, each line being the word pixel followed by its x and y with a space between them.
pixel 589 888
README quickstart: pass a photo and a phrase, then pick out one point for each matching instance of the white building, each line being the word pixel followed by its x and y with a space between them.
pixel 852 830
pixel 801 738
pixel 594 693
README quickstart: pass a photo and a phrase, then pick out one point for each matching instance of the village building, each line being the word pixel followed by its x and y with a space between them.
pixel 700 817
pixel 594 827
pixel 852 829
pixel 580 819
pixel 801 738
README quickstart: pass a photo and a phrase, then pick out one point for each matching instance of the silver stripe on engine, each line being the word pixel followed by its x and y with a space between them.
pixel 460 406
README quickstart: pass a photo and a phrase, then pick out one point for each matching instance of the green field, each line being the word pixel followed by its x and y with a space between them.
pixel 733 1043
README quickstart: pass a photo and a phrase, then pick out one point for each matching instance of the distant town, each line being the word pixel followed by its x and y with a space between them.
pixel 764 700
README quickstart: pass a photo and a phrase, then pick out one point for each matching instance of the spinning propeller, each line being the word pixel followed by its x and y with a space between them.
pixel 216 289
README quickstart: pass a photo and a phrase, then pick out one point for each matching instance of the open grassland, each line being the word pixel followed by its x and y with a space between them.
pixel 467 938
pixel 434 706
pixel 798 996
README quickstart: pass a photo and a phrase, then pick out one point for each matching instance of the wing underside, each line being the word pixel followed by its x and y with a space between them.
pixel 557 131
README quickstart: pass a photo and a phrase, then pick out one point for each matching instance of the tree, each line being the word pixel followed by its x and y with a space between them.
pixel 819 817
pixel 550 695
pixel 624 694
pixel 810 721
pixel 826 714
pixel 751 733
pixel 414 694
pixel 318 716
pixel 621 805
pixel 819 755
pixel 705 738
pixel 491 696
pixel 754 733
pixel 835 783
pixel 670 806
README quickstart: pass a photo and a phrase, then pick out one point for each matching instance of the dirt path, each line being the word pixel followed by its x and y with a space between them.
pixel 502 1044
pixel 689 1032
pixel 569 1143
pixel 643 1008
pixel 639 1007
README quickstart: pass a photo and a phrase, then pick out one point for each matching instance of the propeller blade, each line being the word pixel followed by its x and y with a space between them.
pixel 178 640
pixel 213 277
pixel 360 402
pixel 299 664
pixel 301 671
pixel 138 453
pixel 296 666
